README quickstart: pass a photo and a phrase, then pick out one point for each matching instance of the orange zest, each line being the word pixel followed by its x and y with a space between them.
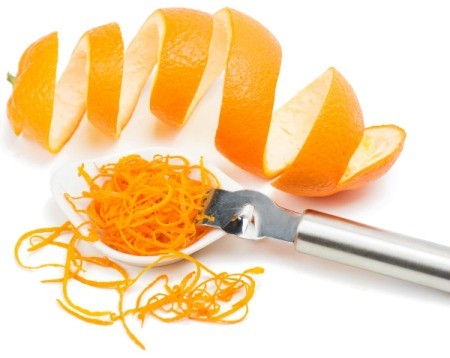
pixel 308 142
pixel 120 195
pixel 143 207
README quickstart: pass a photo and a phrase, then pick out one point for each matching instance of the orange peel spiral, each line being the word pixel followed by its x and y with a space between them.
pixel 308 143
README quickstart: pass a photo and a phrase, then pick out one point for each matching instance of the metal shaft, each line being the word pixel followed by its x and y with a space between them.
pixel 374 249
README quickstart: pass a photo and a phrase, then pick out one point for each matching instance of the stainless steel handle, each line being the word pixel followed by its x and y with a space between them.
pixel 374 249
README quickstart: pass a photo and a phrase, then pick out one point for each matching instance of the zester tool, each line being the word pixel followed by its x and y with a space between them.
pixel 252 215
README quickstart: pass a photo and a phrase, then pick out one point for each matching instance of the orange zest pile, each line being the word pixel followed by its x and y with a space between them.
pixel 316 143
pixel 143 207
pixel 118 208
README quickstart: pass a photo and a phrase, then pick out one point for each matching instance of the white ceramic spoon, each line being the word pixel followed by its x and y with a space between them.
pixel 65 179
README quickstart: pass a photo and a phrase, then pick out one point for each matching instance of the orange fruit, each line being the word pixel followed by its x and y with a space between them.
pixel 319 130
pixel 109 88
pixel 178 41
pixel 308 142
pixel 185 36
pixel 30 106
pixel 253 58
pixel 51 112
pixel 375 155
pixel 315 144
pixel 105 51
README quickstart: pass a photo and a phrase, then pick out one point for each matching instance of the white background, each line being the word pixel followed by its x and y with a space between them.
pixel 396 56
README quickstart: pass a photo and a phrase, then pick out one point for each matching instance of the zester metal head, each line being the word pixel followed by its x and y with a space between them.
pixel 248 214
